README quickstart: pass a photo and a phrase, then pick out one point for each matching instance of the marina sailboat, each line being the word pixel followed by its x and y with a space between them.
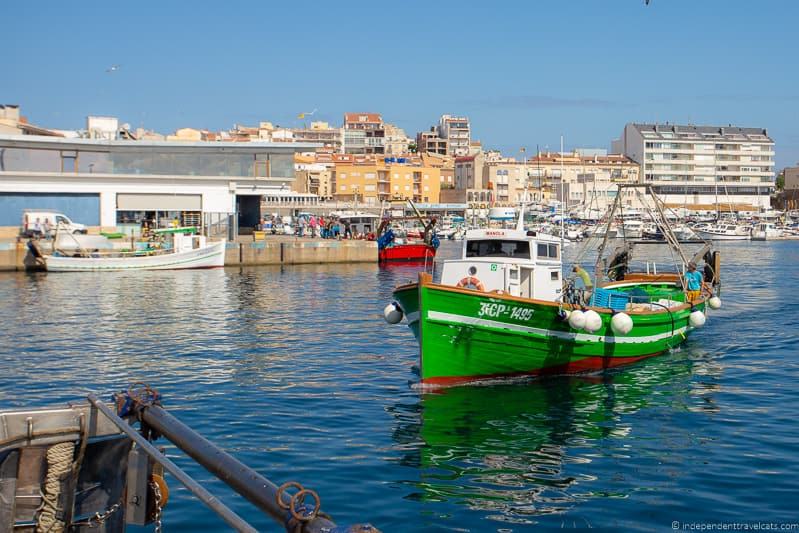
pixel 504 309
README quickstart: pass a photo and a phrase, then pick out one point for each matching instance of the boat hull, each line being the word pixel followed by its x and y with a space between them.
pixel 210 256
pixel 707 235
pixel 467 335
pixel 406 252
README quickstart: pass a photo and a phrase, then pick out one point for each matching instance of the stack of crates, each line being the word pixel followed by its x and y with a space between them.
pixel 610 299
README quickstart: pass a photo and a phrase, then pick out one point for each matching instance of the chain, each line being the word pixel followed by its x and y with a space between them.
pixel 158 509
pixel 99 518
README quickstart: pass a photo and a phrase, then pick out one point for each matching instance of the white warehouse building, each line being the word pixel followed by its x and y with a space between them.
pixel 703 168
pixel 111 184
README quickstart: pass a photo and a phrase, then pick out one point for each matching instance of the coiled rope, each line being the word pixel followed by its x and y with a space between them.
pixel 59 463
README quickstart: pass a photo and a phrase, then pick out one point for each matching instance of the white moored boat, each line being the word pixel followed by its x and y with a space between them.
pixel 766 231
pixel 724 232
pixel 186 251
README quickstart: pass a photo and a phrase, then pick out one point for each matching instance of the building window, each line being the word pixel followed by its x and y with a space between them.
pixel 69 161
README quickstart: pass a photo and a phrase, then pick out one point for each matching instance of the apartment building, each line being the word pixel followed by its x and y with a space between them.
pixel 372 180
pixel 364 133
pixel 457 132
pixel 573 178
pixel 446 166
pixel 584 179
pixel 791 178
pixel 429 142
pixel 322 133
pixel 703 168
pixel 396 141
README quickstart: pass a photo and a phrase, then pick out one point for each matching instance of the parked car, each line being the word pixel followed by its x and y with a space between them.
pixel 30 228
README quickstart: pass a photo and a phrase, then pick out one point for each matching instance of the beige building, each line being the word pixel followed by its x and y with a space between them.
pixel 322 133
pixel 186 135
pixel 397 142
pixel 12 123
pixel 586 180
pixel 791 178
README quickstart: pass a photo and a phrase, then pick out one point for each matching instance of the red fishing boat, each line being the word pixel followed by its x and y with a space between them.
pixel 390 250
pixel 407 252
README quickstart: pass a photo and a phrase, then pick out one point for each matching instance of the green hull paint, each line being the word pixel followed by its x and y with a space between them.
pixel 470 335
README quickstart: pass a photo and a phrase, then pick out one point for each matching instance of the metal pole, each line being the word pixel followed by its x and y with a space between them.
pixel 231 518
pixel 240 477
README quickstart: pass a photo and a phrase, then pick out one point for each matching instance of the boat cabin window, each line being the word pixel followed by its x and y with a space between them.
pixel 498 248
pixel 548 250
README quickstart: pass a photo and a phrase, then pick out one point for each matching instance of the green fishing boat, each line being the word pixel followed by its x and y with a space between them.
pixel 504 309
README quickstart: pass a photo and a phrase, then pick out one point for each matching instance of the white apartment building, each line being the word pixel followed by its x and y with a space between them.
pixel 703 168
pixel 457 132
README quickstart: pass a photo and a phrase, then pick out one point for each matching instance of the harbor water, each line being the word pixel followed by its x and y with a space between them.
pixel 294 371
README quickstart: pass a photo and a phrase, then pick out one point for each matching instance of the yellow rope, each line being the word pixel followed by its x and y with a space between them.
pixel 59 463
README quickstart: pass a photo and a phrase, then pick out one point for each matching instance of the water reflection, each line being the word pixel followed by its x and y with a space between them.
pixel 520 450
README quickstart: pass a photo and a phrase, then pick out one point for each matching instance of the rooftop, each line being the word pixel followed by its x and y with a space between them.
pixel 33 141
pixel 362 118
pixel 679 131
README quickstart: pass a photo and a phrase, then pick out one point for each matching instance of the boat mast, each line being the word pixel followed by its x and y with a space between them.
pixel 562 197
pixel 601 250
pixel 665 227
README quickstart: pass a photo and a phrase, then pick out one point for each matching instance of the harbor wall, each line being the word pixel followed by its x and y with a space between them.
pixel 15 256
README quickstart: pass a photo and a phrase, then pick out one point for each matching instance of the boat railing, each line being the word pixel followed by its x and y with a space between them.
pixel 139 474
pixel 96 253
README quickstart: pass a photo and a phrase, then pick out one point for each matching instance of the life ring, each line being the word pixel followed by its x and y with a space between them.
pixel 471 282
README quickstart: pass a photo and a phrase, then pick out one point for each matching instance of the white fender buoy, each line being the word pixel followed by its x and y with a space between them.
pixel 593 322
pixel 697 319
pixel 621 324
pixel 392 313
pixel 577 319
pixel 714 302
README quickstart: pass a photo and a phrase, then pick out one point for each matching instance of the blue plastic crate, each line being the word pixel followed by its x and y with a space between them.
pixel 611 299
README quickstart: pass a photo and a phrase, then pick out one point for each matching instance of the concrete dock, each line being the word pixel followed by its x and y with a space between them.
pixel 272 250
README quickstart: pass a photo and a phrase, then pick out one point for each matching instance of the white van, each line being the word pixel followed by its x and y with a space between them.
pixel 33 223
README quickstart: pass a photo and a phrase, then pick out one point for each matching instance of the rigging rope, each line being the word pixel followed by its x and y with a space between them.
pixel 59 462
pixel 586 244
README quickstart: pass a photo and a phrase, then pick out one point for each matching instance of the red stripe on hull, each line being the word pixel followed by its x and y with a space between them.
pixel 587 364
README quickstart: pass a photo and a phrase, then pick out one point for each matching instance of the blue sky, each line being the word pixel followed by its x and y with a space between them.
pixel 524 72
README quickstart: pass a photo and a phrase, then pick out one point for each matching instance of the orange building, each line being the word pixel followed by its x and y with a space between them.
pixel 372 180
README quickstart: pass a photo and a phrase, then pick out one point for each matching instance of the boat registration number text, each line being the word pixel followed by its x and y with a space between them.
pixel 514 312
